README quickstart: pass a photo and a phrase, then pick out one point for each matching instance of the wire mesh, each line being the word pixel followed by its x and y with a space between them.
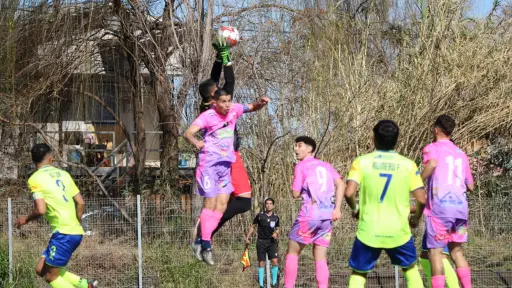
pixel 109 249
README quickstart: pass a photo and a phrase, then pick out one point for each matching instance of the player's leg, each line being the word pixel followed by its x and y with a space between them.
pixel 458 237
pixel 237 205
pixel 362 260
pixel 291 266
pixel 274 260
pixel 206 184
pixel 405 257
pixel 437 230
pixel 425 261
pixel 57 256
pixel 451 277
pixel 321 242
pixel 261 252
pixel 241 202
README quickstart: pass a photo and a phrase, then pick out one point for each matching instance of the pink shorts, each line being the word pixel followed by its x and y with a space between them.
pixel 317 232
pixel 440 231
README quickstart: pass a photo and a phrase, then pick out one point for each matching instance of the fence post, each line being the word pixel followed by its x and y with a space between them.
pixel 139 239
pixel 397 283
pixel 267 264
pixel 9 223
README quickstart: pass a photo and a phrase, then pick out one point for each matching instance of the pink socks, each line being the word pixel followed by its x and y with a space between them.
pixel 438 281
pixel 322 273
pixel 290 270
pixel 464 277
pixel 209 221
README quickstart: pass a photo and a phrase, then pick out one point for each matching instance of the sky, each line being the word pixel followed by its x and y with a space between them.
pixel 480 8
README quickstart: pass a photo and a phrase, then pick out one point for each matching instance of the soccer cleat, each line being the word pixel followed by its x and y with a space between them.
pixel 196 249
pixel 93 283
pixel 208 257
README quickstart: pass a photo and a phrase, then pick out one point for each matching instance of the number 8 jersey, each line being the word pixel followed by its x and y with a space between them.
pixel 447 184
pixel 315 178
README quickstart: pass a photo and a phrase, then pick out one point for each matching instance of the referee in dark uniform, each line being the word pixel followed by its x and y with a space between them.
pixel 268 233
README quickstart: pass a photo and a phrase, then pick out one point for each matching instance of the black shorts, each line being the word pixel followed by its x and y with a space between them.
pixel 266 247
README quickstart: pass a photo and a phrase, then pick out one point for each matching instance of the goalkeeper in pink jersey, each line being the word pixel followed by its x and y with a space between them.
pixel 449 177
pixel 322 190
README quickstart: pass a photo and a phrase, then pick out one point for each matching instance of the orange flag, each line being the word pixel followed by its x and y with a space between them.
pixel 245 259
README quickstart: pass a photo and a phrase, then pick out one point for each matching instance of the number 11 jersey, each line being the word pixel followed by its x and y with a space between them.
pixel 447 184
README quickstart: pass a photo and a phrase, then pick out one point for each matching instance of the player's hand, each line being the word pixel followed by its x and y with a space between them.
pixel 274 235
pixel 413 222
pixel 21 221
pixel 263 100
pixel 199 145
pixel 336 215
pixel 223 52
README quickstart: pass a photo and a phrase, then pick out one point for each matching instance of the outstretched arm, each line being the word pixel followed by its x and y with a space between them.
pixel 216 71
pixel 258 104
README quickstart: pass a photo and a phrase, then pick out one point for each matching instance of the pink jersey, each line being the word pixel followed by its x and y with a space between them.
pixel 315 181
pixel 447 185
pixel 218 134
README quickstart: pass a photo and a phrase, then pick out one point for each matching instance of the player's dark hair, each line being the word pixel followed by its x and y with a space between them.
pixel 269 199
pixel 205 88
pixel 446 124
pixel 219 93
pixel 386 134
pixel 39 152
pixel 306 140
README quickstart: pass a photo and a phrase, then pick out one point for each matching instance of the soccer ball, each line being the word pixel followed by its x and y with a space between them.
pixel 229 35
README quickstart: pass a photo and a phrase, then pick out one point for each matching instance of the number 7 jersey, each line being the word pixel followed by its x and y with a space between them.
pixel 447 184
pixel 385 180
pixel 57 188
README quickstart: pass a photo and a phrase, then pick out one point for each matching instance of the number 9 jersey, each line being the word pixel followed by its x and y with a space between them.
pixel 315 180
pixel 447 184
pixel 57 188
pixel 385 180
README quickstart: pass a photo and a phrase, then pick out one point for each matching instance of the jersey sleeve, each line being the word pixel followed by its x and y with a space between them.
pixel 73 189
pixel 298 178
pixel 239 109
pixel 255 221
pixel 334 173
pixel 415 178
pixel 35 188
pixel 355 173
pixel 428 153
pixel 201 120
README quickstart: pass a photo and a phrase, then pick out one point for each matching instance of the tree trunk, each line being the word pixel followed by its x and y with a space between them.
pixel 139 152
pixel 168 120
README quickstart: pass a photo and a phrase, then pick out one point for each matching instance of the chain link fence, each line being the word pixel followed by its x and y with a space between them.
pixel 109 251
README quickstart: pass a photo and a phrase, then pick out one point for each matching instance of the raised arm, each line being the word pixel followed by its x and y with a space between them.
pixel 229 80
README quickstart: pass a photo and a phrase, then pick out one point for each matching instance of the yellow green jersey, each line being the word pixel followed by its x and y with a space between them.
pixel 385 180
pixel 57 188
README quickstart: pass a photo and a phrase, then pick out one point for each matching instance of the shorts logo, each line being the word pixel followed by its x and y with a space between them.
pixel 463 230
pixel 327 236
pixel 52 252
pixel 272 224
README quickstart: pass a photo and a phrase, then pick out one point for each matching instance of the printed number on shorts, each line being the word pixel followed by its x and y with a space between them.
pixel 207 183
pixel 386 186
pixel 61 186
pixel 321 175
pixel 454 167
